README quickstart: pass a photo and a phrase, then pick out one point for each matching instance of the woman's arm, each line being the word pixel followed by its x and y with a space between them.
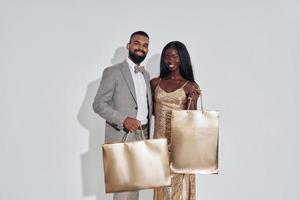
pixel 153 83
pixel 193 91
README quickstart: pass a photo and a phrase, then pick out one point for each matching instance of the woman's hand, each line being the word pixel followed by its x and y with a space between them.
pixel 193 95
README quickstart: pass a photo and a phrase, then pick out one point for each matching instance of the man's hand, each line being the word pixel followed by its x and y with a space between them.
pixel 131 124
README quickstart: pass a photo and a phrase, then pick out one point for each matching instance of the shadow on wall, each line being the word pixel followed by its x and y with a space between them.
pixel 152 65
pixel 91 161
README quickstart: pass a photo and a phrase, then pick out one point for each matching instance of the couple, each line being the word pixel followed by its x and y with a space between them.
pixel 124 100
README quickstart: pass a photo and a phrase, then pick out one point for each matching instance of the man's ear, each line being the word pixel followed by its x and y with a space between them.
pixel 127 46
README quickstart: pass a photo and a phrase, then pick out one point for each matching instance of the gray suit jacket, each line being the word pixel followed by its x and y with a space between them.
pixel 116 99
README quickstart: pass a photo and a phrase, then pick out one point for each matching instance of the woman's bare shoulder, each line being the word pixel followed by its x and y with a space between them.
pixel 192 87
pixel 154 82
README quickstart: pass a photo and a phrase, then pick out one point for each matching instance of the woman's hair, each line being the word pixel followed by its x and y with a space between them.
pixel 186 69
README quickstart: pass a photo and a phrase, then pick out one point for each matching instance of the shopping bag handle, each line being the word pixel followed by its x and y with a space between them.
pixel 124 139
pixel 191 99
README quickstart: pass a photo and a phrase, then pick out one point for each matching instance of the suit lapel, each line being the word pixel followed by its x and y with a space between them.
pixel 128 79
pixel 147 80
pixel 149 99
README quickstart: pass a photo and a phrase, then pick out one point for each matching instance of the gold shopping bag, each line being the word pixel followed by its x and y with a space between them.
pixel 194 141
pixel 136 165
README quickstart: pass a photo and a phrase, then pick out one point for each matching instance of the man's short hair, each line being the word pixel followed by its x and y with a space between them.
pixel 139 33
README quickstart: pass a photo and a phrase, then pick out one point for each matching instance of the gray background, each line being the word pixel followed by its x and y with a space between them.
pixel 52 53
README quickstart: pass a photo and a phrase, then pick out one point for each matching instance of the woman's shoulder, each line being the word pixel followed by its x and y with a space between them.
pixel 154 82
pixel 192 86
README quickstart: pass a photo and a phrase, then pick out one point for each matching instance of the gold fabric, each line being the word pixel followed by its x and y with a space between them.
pixel 182 185
pixel 136 165
pixel 195 136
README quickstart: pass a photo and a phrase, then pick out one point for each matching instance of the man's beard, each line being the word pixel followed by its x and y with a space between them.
pixel 136 58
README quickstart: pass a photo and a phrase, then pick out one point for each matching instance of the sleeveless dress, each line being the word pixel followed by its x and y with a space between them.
pixel 182 185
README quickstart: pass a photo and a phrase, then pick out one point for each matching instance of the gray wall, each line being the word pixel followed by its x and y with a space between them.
pixel 52 54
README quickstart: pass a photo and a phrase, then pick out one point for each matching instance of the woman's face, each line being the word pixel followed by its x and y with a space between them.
pixel 172 60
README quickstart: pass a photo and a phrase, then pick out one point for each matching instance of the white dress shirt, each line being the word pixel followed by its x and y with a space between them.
pixel 141 93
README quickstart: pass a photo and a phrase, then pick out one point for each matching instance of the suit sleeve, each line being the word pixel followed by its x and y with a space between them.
pixel 103 98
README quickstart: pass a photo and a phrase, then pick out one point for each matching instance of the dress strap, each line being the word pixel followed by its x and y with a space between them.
pixel 157 84
pixel 185 84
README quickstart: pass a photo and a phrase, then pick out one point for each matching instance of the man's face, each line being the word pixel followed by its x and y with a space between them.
pixel 138 48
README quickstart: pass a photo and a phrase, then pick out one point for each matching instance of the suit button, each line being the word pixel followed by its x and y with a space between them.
pixel 135 107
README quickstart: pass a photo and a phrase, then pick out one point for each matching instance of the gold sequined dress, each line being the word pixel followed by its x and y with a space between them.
pixel 182 185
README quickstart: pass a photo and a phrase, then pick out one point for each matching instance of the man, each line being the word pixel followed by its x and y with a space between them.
pixel 124 98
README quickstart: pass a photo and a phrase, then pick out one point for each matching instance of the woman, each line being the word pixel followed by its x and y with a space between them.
pixel 173 90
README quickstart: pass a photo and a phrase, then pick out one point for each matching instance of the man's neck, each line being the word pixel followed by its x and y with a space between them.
pixel 138 64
